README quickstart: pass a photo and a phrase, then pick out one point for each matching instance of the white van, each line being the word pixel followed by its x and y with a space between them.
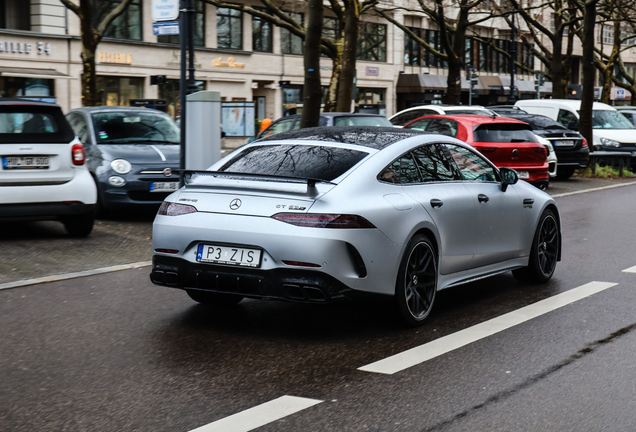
pixel 612 131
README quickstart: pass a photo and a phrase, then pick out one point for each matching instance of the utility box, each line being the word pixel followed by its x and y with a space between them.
pixel 203 129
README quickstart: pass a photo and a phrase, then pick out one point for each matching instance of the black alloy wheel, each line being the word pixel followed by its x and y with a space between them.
pixel 214 298
pixel 544 252
pixel 417 281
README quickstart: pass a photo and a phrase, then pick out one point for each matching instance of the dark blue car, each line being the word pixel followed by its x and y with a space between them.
pixel 132 154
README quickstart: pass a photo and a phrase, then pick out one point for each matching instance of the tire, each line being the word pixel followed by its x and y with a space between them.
pixel 544 251
pixel 80 225
pixel 565 173
pixel 416 284
pixel 213 298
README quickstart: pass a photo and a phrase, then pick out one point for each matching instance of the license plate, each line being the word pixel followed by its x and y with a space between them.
pixel 563 143
pixel 25 162
pixel 164 186
pixel 524 175
pixel 231 255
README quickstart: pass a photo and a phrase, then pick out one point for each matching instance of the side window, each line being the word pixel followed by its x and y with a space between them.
pixel 281 126
pixel 471 166
pixel 435 163
pixel 628 116
pixel 565 117
pixel 79 125
pixel 420 125
pixel 443 127
pixel 402 170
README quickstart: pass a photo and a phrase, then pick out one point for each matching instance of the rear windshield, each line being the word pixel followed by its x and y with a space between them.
pixel 504 132
pixel 295 160
pixel 135 128
pixel 362 121
pixel 33 124
pixel 541 122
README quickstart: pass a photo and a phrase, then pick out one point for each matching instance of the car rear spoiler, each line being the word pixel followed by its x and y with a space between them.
pixel 188 178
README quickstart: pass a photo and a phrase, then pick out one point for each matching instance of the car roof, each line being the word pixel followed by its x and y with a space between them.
pixel 102 108
pixel 477 119
pixel 573 104
pixel 20 101
pixel 366 136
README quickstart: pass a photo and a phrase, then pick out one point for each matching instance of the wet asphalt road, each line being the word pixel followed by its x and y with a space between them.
pixel 112 352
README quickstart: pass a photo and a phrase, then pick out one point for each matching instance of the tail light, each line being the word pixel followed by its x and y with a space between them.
pixel 322 220
pixel 174 209
pixel 78 154
pixel 542 150
pixel 486 149
pixel 584 143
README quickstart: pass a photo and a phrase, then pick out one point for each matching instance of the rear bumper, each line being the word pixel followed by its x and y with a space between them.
pixel 43 211
pixel 279 284
pixel 81 188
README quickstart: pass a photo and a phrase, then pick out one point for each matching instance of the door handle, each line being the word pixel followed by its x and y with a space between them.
pixel 436 203
pixel 483 198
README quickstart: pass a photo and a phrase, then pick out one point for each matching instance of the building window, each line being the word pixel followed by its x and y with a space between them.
pixel 229 28
pixel 261 34
pixel 37 88
pixel 412 49
pixel 199 26
pixel 607 35
pixel 116 91
pixel 372 42
pixel 15 14
pixel 125 26
pixel 432 37
pixel 290 43
pixel 170 91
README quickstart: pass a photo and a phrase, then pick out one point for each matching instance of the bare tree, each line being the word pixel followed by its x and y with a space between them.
pixel 91 37
pixel 453 33
pixel 312 90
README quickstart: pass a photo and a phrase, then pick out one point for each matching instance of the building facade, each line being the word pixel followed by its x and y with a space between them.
pixel 244 58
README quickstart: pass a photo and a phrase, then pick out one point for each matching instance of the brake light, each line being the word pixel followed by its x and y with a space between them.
pixel 542 150
pixel 173 209
pixel 584 143
pixel 78 154
pixel 322 220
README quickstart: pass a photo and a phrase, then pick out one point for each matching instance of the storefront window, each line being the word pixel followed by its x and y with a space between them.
pixel 115 91
pixel 372 42
pixel 170 92
pixel 125 26
pixel 290 43
pixel 15 14
pixel 199 25
pixel 261 34
pixel 229 28
pixel 42 89
pixel 292 99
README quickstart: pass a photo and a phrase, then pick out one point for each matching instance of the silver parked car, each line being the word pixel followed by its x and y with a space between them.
pixel 316 214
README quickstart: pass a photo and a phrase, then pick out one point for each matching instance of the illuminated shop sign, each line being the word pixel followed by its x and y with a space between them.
pixel 115 58
pixel 25 47
pixel 230 63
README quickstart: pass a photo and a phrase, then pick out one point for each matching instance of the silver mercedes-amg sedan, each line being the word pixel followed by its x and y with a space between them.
pixel 317 214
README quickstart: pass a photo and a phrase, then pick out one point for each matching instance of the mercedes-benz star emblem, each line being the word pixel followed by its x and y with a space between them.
pixel 167 172
pixel 235 204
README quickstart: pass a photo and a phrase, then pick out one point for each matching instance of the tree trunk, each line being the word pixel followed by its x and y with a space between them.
pixel 589 72
pixel 559 86
pixel 349 54
pixel 312 91
pixel 89 77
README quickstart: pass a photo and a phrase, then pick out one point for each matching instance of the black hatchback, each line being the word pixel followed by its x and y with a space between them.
pixel 570 146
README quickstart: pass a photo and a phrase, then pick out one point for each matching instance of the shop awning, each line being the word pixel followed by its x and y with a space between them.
pixel 419 83
pixel 491 82
pixel 33 73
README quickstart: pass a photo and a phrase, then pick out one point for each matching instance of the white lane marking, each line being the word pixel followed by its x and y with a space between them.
pixel 630 270
pixel 593 189
pixel 55 278
pixel 259 415
pixel 422 353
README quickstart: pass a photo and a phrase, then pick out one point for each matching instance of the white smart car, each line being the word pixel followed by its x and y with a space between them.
pixel 43 175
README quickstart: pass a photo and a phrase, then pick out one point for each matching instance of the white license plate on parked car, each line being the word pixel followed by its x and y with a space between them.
pixel 164 186
pixel 524 175
pixel 25 162
pixel 229 255
pixel 563 143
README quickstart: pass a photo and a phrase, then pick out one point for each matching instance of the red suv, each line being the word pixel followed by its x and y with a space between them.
pixel 505 141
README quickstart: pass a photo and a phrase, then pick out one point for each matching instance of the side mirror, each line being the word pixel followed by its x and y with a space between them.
pixel 508 177
pixel 573 125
